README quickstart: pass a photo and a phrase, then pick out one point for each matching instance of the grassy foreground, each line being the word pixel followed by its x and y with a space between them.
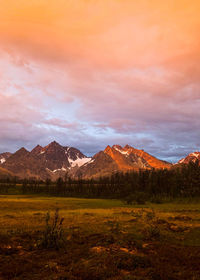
pixel 100 239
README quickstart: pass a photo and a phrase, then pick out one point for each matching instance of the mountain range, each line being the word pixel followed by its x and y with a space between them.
pixel 55 160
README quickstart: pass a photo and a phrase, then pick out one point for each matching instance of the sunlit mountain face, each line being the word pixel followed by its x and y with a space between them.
pixel 54 161
pixel 96 73
pixel 192 157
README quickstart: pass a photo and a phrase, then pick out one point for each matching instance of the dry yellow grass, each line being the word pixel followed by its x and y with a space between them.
pixel 28 212
pixel 105 239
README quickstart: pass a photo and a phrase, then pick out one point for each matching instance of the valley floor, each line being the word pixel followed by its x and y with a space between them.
pixel 98 239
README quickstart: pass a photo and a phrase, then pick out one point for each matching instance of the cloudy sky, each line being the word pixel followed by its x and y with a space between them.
pixel 88 73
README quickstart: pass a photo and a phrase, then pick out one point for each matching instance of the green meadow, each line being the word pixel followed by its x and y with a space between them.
pixel 98 239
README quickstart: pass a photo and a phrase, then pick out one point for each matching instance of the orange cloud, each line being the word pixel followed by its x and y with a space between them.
pixel 129 66
pixel 108 33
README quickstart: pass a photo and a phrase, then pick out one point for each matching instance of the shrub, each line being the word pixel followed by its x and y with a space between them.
pixel 53 235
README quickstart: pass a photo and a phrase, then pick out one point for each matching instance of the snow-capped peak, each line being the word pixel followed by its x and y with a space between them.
pixel 195 154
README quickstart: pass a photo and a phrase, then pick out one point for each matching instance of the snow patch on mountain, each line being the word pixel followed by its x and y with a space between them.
pixel 2 160
pixel 89 162
pixel 60 169
pixel 56 170
pixel 121 151
pixel 67 150
pixel 79 161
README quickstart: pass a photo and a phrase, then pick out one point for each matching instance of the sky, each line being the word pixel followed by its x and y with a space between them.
pixel 92 73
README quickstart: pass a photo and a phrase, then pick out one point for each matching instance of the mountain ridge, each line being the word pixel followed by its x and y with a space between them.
pixel 54 160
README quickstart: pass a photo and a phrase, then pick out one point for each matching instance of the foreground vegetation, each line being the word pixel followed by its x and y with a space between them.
pixel 93 239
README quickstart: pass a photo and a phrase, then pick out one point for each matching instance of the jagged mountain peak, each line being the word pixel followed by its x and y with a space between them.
pixel 192 157
pixel 117 147
pixel 124 159
pixel 37 150
pixel 195 154
pixel 53 144
pixel 53 148
pixel 128 147
pixel 120 149
pixel 38 147
pixel 22 151
pixel 108 148
pixel 128 157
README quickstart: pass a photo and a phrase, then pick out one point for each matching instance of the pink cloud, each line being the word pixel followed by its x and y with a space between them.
pixel 119 69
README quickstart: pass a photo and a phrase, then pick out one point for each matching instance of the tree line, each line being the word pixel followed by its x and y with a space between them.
pixel 181 181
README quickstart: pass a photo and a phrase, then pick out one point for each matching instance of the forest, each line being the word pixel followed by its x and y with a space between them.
pixel 139 186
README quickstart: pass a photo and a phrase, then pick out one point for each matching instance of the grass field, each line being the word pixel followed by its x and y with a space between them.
pixel 99 239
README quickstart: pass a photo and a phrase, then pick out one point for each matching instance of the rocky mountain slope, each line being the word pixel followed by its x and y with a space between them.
pixel 4 173
pixel 192 157
pixel 4 157
pixel 55 160
pixel 116 158
pixel 50 161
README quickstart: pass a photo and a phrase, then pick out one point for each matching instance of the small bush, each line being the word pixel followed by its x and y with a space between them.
pixel 53 235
